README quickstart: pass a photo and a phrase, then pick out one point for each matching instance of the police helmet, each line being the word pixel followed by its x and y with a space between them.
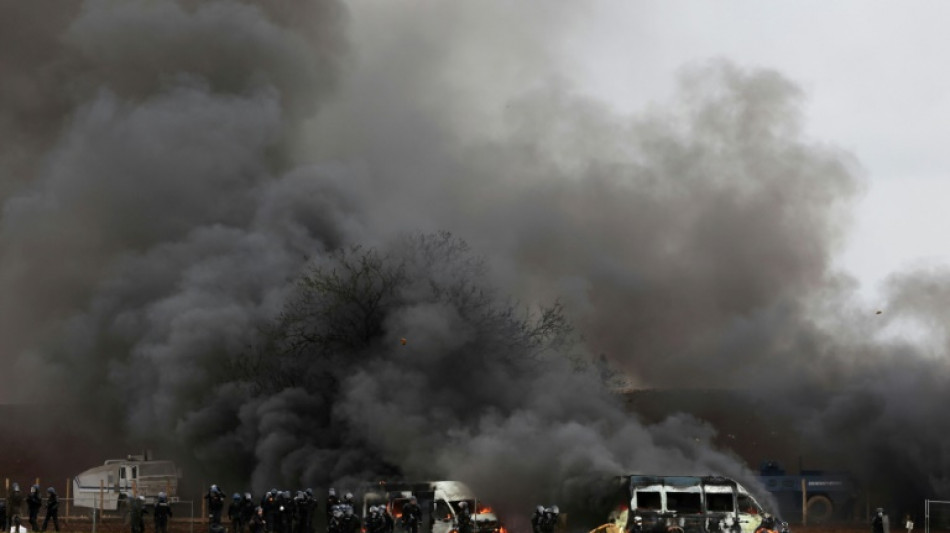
pixel 214 488
pixel 309 492
pixel 554 509
pixel 141 498
pixel 413 498
pixel 540 509
pixel 51 490
pixel 35 488
pixel 337 513
pixel 16 487
pixel 247 496
pixel 332 491
pixel 348 497
pixel 236 496
pixel 463 505
pixel 161 496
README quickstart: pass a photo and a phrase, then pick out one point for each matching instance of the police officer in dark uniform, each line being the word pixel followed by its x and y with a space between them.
pixel 335 523
pixel 52 509
pixel 549 520
pixel 351 522
pixel 464 519
pixel 285 510
pixel 411 516
pixel 14 504
pixel 269 508
pixel 3 513
pixel 234 513
pixel 137 515
pixel 311 505
pixel 161 513
pixel 300 512
pixel 33 503
pixel 248 510
pixel 388 523
pixel 215 506
pixel 536 519
pixel 374 522
pixel 256 525
pixel 332 501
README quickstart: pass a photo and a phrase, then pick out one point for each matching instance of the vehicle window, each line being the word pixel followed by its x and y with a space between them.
pixel 747 505
pixel 719 503
pixel 396 507
pixel 442 510
pixel 684 502
pixel 648 501
pixel 135 472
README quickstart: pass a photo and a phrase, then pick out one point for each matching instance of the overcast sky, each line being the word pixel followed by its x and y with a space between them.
pixel 875 81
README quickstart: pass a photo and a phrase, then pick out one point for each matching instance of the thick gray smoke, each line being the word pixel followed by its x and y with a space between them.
pixel 171 170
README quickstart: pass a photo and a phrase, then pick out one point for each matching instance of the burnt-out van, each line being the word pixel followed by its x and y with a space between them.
pixel 690 504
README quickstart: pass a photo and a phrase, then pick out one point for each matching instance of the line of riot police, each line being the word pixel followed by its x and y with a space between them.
pixel 11 508
pixel 277 512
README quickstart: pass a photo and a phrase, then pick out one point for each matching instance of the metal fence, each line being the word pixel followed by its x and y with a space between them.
pixel 936 516
pixel 94 520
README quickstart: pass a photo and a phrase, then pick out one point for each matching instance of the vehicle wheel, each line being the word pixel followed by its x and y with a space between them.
pixel 820 510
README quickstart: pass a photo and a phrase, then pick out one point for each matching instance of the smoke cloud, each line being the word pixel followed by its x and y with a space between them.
pixel 179 177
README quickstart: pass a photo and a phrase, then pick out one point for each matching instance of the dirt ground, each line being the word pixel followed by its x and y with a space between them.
pixel 115 525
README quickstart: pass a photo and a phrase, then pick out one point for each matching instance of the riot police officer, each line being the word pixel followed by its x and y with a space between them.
pixel 161 513
pixel 215 505
pixel 388 523
pixel 374 522
pixel 464 519
pixel 33 503
pixel 248 509
pixel 332 501
pixel 335 523
pixel 137 514
pixel 52 509
pixel 285 516
pixel 351 522
pixel 269 508
pixel 256 525
pixel 310 504
pixel 411 516
pixel 14 504
pixel 234 513
pixel 549 520
pixel 536 519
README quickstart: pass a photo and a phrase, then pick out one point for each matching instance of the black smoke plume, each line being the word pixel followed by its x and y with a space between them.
pixel 221 218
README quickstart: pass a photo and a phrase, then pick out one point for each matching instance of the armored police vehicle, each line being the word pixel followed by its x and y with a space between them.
pixel 117 481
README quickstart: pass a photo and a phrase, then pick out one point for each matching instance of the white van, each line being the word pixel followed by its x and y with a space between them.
pixel 687 504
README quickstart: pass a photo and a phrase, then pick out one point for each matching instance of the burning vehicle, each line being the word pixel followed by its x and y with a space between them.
pixel 679 504
pixel 440 503
pixel 117 481
pixel 686 504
